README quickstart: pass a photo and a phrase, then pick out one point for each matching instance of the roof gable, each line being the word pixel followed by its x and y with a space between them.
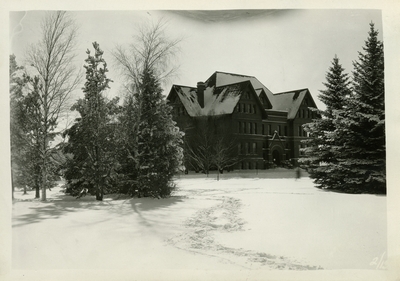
pixel 265 101
pixel 291 101
pixel 217 100
pixel 219 78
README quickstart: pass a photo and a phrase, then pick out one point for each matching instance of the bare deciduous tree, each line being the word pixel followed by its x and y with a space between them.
pixel 224 152
pixel 53 61
pixel 151 49
pixel 211 146
pixel 199 147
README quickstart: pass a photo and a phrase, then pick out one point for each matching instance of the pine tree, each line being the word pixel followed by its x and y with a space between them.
pixel 361 125
pixel 320 158
pixel 128 144
pixel 92 166
pixel 25 129
pixel 151 142
pixel 159 152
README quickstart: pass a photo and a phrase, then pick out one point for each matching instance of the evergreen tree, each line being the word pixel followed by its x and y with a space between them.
pixel 25 128
pixel 92 165
pixel 159 153
pixel 151 142
pixel 319 157
pixel 361 125
pixel 128 145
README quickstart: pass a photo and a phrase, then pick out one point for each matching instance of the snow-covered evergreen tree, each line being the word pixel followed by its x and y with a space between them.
pixel 92 166
pixel 361 152
pixel 159 151
pixel 319 156
pixel 25 169
pixel 151 142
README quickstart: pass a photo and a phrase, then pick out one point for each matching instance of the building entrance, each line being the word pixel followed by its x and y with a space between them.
pixel 276 157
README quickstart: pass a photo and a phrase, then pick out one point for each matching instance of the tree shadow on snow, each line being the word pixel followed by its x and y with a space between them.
pixel 61 204
pixel 157 209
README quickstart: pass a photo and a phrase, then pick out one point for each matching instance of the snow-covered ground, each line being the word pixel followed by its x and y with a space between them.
pixel 235 224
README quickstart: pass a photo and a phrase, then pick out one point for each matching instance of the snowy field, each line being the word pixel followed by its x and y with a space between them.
pixel 232 225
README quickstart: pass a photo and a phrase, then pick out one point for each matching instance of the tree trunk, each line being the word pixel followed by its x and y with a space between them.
pixel 44 182
pixel 37 188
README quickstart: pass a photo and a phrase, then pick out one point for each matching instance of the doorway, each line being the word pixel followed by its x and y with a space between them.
pixel 276 157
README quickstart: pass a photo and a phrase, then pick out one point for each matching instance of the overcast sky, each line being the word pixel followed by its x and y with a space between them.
pixel 284 49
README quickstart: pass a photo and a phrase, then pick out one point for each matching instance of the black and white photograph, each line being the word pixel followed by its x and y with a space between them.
pixel 200 144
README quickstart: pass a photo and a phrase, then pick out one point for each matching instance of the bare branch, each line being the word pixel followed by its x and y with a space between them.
pixel 53 59
pixel 151 50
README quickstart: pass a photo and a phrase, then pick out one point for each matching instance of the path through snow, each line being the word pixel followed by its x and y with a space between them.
pixel 223 218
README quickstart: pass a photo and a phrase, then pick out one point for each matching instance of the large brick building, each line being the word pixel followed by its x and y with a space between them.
pixel 267 127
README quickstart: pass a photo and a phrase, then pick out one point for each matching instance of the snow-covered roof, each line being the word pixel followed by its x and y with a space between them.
pixel 223 90
pixel 289 101
pixel 219 78
pixel 217 100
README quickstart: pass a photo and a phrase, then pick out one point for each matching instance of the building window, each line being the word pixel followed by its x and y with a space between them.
pixel 269 130
pixel 248 148
pixel 240 148
pixel 249 128
pixel 243 127
pixel 254 109
pixel 249 108
pixel 279 130
pixel 255 128
pixel 254 148
pixel 300 131
pixel 239 127
pixel 263 129
pixel 286 131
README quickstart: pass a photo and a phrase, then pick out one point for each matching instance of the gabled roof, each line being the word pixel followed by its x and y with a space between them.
pixel 219 78
pixel 217 100
pixel 290 101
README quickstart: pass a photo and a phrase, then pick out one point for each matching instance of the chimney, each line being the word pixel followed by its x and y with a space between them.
pixel 200 93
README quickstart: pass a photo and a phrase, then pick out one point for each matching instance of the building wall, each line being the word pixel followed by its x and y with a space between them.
pixel 276 129
pixel 247 123
pixel 261 141
pixel 303 116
